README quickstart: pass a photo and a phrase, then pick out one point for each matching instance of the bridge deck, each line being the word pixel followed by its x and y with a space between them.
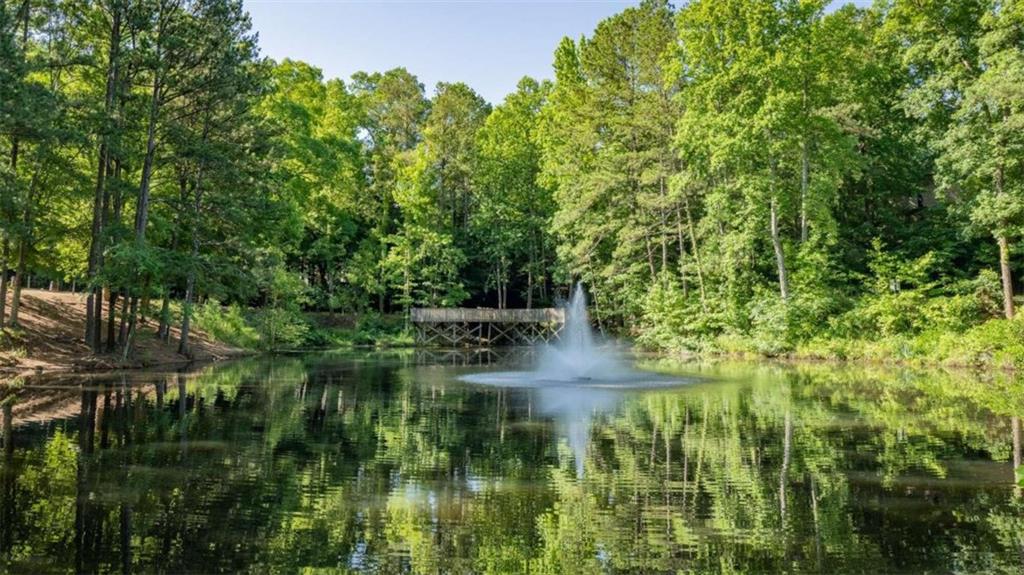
pixel 487 315
pixel 462 327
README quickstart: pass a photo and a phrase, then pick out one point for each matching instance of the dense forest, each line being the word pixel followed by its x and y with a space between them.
pixel 771 176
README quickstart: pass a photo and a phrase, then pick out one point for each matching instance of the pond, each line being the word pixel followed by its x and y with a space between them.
pixel 390 463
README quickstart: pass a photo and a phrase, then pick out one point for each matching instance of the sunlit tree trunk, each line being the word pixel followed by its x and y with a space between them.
pixel 780 256
pixel 23 246
pixel 112 320
pixel 694 249
pixel 5 254
pixel 19 273
pixel 1005 273
pixel 805 173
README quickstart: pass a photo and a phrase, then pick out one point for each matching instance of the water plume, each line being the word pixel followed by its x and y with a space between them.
pixel 576 378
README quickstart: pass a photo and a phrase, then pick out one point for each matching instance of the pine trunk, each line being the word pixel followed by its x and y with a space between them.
pixel 112 321
pixel 1004 269
pixel 133 312
pixel 18 275
pixel 190 287
pixel 23 247
pixel 5 254
pixel 142 204
pixel 94 303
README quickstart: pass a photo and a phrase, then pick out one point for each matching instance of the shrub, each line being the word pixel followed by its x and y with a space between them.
pixel 281 328
pixel 998 342
pixel 769 324
pixel 225 324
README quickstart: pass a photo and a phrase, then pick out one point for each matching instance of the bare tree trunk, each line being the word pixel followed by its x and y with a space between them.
pixel 186 316
pixel 24 16
pixel 529 287
pixel 663 232
pixel 650 257
pixel 805 173
pixel 1004 269
pixel 1018 454
pixel 5 255
pixel 144 306
pixel 190 287
pixel 163 331
pixel 112 321
pixel 132 315
pixel 695 250
pixel 122 330
pixel 780 257
pixel 19 273
pixel 23 246
pixel 682 253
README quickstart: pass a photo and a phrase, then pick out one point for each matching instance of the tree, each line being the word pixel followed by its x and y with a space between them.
pixel 213 131
pixel 395 109
pixel 449 146
pixel 112 17
pixel 513 211
pixel 606 138
pixel 982 150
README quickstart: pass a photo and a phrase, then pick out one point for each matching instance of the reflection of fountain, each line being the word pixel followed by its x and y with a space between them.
pixel 573 407
pixel 576 378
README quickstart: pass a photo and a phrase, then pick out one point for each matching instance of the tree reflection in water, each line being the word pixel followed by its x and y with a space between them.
pixel 380 463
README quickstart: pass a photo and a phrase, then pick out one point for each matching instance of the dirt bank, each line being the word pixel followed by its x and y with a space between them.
pixel 50 339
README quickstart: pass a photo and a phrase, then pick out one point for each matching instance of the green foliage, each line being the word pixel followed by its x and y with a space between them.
pixel 758 177
pixel 280 321
pixel 226 323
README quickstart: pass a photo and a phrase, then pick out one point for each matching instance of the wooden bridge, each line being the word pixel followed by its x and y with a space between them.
pixel 462 327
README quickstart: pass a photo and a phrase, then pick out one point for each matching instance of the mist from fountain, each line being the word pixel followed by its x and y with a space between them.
pixel 576 378
pixel 575 357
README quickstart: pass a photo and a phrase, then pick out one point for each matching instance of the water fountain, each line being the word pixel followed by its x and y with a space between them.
pixel 575 357
pixel 576 378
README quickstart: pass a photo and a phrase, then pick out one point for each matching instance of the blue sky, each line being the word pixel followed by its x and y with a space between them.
pixel 488 44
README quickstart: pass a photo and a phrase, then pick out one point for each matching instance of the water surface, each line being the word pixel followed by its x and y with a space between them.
pixel 389 463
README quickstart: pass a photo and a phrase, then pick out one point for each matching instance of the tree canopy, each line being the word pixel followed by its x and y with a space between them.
pixel 716 170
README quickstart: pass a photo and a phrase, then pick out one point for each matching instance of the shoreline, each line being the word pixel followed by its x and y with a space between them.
pixel 789 359
pixel 99 366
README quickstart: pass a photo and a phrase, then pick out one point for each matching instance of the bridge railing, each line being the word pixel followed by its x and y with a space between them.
pixel 486 315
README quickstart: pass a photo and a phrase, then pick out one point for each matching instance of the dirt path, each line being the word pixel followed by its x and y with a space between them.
pixel 50 338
